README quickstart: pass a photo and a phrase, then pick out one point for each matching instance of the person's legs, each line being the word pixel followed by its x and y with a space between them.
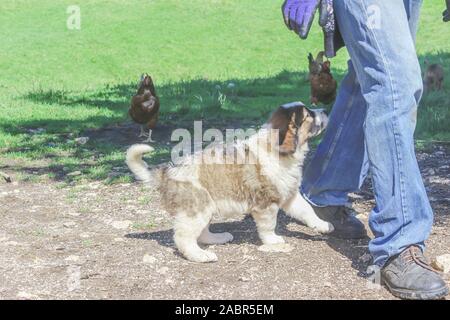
pixel 325 183
pixel 378 38
pixel 372 125
pixel 339 165
pixel 379 41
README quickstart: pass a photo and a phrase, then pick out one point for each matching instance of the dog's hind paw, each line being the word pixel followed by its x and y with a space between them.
pixel 272 239
pixel 202 256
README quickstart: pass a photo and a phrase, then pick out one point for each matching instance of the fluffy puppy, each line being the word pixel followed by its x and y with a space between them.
pixel 263 178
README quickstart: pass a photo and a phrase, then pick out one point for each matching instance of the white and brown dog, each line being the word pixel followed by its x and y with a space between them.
pixel 197 190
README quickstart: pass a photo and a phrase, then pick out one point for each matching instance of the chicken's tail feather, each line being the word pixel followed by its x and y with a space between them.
pixel 136 164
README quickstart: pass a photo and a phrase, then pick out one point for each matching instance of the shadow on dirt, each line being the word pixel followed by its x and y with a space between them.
pixel 244 231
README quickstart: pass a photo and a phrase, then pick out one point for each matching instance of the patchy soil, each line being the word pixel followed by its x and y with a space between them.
pixel 93 241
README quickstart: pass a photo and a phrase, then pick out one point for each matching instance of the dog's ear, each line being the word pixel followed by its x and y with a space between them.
pixel 287 120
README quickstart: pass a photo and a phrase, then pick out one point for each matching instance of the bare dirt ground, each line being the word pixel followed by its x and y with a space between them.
pixel 94 241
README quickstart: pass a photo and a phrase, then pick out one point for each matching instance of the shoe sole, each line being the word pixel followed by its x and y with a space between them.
pixel 417 295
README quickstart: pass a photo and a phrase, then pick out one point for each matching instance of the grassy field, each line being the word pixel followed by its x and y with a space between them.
pixel 67 81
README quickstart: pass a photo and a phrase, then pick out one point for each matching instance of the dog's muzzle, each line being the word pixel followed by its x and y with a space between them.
pixel 320 121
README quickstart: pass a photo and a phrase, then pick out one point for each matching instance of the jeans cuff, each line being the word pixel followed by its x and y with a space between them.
pixel 321 202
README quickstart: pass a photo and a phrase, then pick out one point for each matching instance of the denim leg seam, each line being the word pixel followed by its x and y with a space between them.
pixel 395 129
pixel 338 133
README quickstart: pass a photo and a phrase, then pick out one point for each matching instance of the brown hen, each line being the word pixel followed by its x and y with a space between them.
pixel 323 85
pixel 315 65
pixel 145 107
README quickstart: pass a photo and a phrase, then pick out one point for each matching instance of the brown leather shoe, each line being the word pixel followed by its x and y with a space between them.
pixel 410 276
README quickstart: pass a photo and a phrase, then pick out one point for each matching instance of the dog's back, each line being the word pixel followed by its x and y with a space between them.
pixel 244 178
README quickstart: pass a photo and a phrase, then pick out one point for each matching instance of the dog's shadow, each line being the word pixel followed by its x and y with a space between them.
pixel 244 231
pixel 354 250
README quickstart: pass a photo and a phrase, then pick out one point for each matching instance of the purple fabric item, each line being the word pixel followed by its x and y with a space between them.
pixel 299 15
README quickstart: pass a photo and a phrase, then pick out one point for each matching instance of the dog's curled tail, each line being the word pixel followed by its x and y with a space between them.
pixel 136 164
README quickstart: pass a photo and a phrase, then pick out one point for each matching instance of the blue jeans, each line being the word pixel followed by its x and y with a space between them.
pixel 372 125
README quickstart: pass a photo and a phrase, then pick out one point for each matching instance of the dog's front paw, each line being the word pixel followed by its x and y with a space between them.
pixel 280 247
pixel 202 256
pixel 324 227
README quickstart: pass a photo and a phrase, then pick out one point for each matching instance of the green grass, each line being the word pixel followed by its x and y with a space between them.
pixel 68 81
pixel 143 226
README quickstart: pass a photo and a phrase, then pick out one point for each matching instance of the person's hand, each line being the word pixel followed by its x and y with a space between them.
pixel 446 13
pixel 299 15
